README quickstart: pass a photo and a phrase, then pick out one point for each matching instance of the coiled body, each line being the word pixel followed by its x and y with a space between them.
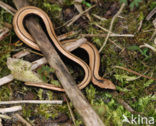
pixel 91 71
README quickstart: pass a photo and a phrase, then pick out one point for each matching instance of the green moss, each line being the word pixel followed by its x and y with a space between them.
pixel 5 93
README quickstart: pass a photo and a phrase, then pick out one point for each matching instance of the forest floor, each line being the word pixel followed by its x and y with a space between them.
pixel 127 59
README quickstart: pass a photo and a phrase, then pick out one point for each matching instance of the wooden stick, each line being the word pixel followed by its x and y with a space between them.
pixel 6 79
pixel 20 118
pixel 77 98
pixel 148 46
pixel 1 122
pixel 10 109
pixel 100 18
pixel 118 46
pixel 70 110
pixel 31 102
pixel 104 35
pixel 151 14
pixel 5 116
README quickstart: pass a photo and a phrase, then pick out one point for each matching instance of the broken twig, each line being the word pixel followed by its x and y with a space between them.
pixel 151 14
pixel 104 35
pixel 79 15
pixel 148 46
pixel 32 102
pixel 100 18
pixel 10 109
pixel 70 110
pixel 4 116
pixel 20 118
pixel 111 26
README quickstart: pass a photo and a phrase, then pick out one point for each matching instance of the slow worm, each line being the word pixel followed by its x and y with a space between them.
pixel 91 71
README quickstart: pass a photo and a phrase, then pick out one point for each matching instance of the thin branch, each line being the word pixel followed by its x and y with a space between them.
pixel 122 102
pixel 21 53
pixel 6 79
pixel 7 25
pixel 3 33
pixel 79 8
pixel 104 29
pixel 100 18
pixel 126 105
pixel 148 46
pixel 31 102
pixel 20 118
pixel 154 23
pixel 151 14
pixel 134 72
pixel 121 17
pixel 1 122
pixel 111 33
pixel 137 77
pixel 104 35
pixel 7 8
pixel 38 63
pixel 78 1
pixel 70 110
pixel 116 44
pixel 10 109
pixel 111 25
pixel 151 30
pixel 154 33
pixel 5 116
pixel 79 15
pixel 140 25
pixel 66 35
pixel 75 44
pixel 42 85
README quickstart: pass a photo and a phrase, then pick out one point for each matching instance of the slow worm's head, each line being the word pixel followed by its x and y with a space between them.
pixel 107 84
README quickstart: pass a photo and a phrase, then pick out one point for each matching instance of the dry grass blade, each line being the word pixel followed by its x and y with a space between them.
pixel 134 72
